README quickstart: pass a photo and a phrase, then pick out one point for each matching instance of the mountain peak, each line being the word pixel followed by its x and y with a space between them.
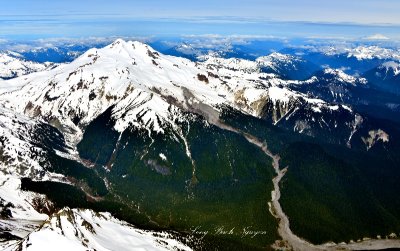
pixel 280 56
pixel 391 66
pixel 129 46
pixel 341 76
pixel 277 56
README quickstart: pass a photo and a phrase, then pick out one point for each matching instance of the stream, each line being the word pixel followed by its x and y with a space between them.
pixel 289 241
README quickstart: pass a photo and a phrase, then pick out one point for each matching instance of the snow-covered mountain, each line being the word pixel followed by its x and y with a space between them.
pixel 25 224
pixel 287 66
pixel 337 75
pixel 370 52
pixel 27 221
pixel 24 143
pixel 76 229
pixel 283 65
pixel 331 85
pixel 14 65
pixel 234 64
pixel 21 211
pixel 186 50
pixel 352 59
pixel 25 147
pixel 385 76
pixel 149 90
pixel 391 68
pixel 360 52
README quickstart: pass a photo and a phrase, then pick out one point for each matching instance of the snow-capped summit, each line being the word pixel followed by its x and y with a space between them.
pixel 276 56
pixel 331 85
pixel 235 64
pixel 128 75
pixel 391 67
pixel 276 60
pixel 385 76
pixel 340 76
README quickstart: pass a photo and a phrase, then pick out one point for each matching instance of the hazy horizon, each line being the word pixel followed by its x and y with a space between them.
pixel 22 19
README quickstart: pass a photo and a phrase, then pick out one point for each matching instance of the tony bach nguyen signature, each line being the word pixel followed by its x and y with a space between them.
pixel 221 230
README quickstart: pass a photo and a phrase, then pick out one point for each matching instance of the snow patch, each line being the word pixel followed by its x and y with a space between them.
pixel 162 156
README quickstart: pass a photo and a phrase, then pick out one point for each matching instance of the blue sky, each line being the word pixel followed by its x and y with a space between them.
pixel 21 19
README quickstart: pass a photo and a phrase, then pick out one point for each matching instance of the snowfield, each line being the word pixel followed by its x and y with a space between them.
pixel 75 229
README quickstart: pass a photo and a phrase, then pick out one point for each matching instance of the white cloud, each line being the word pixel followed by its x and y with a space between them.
pixel 213 41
